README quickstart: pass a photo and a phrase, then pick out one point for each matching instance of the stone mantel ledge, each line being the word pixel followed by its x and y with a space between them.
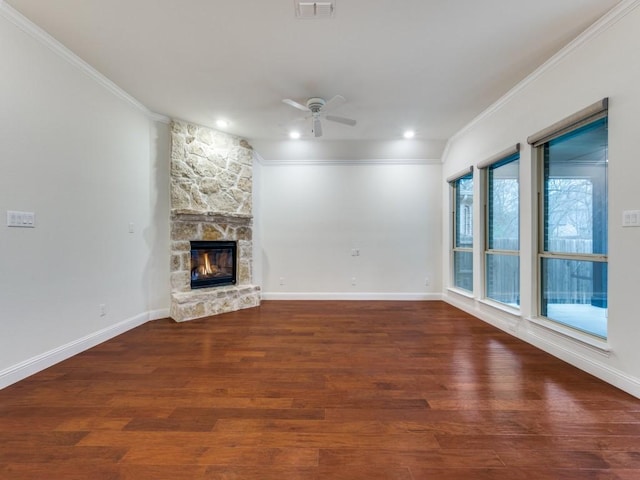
pixel 217 217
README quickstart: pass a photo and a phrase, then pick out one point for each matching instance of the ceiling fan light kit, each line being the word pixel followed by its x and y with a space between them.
pixel 317 107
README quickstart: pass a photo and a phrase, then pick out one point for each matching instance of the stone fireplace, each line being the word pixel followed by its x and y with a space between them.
pixel 211 192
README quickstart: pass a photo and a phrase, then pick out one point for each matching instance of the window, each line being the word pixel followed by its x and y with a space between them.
pixel 573 226
pixel 463 232
pixel 502 229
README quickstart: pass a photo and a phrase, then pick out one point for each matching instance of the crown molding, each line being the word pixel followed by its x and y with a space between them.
pixel 31 29
pixel 363 161
pixel 605 22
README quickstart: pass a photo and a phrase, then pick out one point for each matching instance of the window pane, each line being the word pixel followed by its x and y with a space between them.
pixel 504 205
pixel 574 292
pixel 503 278
pixel 464 212
pixel 463 270
pixel 575 191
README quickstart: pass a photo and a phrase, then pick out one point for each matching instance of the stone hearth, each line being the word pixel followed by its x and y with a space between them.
pixel 211 192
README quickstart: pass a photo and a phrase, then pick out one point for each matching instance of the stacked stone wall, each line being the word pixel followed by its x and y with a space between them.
pixel 211 172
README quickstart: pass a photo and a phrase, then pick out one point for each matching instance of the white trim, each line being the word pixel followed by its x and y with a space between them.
pixel 368 296
pixel 447 147
pixel 364 161
pixel 593 366
pixel 461 292
pixel 157 117
pixel 614 15
pixel 501 320
pixel 33 365
pixel 30 28
pixel 258 158
pixel 158 314
pixel 552 343
pixel 595 344
pixel 503 307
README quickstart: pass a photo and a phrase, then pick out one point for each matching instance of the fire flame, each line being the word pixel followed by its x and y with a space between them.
pixel 207 268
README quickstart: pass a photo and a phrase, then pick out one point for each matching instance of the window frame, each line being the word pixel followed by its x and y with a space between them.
pixel 509 156
pixel 541 251
pixel 455 207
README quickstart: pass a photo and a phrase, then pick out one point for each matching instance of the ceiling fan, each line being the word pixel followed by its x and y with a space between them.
pixel 318 107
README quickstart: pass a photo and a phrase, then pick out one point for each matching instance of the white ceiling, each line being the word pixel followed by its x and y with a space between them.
pixel 430 65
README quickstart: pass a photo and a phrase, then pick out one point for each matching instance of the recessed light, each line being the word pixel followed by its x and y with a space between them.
pixel 409 134
pixel 294 135
pixel 222 124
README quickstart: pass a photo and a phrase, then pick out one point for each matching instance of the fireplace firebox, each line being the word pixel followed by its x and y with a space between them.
pixel 213 263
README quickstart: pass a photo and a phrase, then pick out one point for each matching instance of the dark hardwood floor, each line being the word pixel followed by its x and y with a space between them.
pixel 318 390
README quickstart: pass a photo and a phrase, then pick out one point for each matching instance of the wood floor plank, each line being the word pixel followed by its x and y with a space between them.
pixel 310 426
pixel 434 458
pixel 510 473
pixel 315 391
pixel 65 470
pixel 611 443
pixel 48 455
pixel 217 472
pixel 260 457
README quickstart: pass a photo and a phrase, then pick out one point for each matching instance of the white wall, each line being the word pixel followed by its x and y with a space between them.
pixel 311 217
pixel 88 163
pixel 602 63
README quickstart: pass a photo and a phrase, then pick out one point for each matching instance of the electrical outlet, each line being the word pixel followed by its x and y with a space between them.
pixel 281 280
pixel 353 281
pixel 102 309
pixel 426 281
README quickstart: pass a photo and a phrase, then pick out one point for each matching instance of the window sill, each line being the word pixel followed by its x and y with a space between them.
pixel 501 306
pixel 596 344
pixel 462 293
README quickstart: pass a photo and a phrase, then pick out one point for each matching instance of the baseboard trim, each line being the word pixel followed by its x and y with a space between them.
pixel 370 296
pixel 581 357
pixel 158 314
pixel 33 365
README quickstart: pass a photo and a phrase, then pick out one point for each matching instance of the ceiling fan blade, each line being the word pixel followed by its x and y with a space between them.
pixel 335 102
pixel 317 127
pixel 343 120
pixel 295 104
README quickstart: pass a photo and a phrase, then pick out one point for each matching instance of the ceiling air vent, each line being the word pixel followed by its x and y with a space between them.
pixel 314 9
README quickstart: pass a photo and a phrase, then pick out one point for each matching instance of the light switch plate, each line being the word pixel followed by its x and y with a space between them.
pixel 21 219
pixel 631 218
